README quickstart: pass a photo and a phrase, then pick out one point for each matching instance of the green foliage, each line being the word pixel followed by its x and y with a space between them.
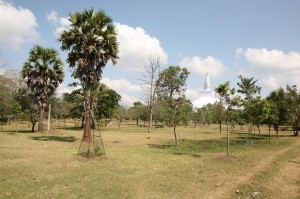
pixel 43 72
pixel 92 42
pixel 107 100
pixel 171 83
pixel 248 87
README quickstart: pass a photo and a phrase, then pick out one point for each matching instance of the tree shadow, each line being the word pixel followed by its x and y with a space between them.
pixel 54 138
pixel 13 132
pixel 160 146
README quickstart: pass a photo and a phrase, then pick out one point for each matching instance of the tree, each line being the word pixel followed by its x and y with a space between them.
pixel 229 100
pixel 280 111
pixel 107 100
pixel 91 42
pixel 150 72
pixel 249 89
pixel 259 110
pixel 136 111
pixel 293 100
pixel 218 114
pixel 42 73
pixel 170 89
pixel 121 113
pixel 28 105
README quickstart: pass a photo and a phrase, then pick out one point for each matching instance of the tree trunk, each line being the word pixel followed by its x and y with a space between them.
pixel 150 120
pixel 269 133
pixel 175 136
pixel 32 128
pixel 49 117
pixel 220 126
pixel 41 120
pixel 258 133
pixel 227 133
pixel 87 117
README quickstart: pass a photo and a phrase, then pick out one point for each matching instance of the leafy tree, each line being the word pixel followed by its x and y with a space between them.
pixel 137 111
pixel 42 73
pixel 280 111
pixel 74 102
pixel 259 110
pixel 170 90
pixel 107 100
pixel 248 87
pixel 293 100
pixel 218 111
pixel 179 114
pixel 91 42
pixel 28 105
pixel 230 101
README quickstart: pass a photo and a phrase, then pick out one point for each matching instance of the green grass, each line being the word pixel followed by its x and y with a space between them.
pixel 137 164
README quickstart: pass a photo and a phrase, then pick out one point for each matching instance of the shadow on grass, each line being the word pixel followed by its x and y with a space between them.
pixel 13 132
pixel 196 147
pixel 55 138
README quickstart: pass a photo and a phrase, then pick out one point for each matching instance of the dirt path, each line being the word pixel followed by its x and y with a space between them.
pixel 285 185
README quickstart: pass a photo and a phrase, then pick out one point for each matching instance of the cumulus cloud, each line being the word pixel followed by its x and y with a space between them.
pixel 59 23
pixel 238 52
pixel 272 59
pixel 18 25
pixel 275 68
pixel 136 47
pixel 129 91
pixel 63 88
pixel 202 66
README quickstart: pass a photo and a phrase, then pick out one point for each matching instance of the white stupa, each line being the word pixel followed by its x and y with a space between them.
pixel 206 95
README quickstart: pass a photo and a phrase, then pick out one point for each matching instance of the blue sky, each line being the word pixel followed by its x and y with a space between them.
pixel 257 38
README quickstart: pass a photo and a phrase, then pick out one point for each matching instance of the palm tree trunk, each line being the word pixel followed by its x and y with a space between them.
pixel 41 120
pixel 87 117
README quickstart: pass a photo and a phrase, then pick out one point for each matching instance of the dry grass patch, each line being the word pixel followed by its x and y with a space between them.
pixel 137 165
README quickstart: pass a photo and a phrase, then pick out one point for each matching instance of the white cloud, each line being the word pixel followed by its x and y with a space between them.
pixel 62 88
pixel 272 59
pixel 136 47
pixel 128 100
pixel 192 94
pixel 210 65
pixel 238 52
pixel 126 89
pixel 17 25
pixel 121 85
pixel 275 68
pixel 59 23
pixel 271 81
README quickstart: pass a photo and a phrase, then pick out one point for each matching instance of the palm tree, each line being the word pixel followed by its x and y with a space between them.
pixel 42 72
pixel 91 42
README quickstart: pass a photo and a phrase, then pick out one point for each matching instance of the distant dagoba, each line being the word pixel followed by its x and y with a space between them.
pixel 207 96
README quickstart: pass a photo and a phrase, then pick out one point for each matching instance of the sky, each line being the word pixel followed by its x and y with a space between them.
pixel 252 38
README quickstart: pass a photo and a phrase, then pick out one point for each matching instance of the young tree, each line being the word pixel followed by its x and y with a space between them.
pixel 170 89
pixel 249 89
pixel 42 73
pixel 279 107
pixel 229 100
pixel 259 110
pixel 91 42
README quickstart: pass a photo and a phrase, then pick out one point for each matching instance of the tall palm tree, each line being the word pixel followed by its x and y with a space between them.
pixel 42 72
pixel 91 42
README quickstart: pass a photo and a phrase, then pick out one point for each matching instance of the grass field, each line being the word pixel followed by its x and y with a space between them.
pixel 143 165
